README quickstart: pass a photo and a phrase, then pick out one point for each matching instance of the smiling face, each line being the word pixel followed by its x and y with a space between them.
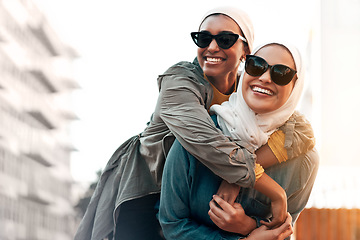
pixel 260 93
pixel 217 63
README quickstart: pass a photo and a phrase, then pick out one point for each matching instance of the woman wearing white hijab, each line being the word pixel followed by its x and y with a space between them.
pixel 238 120
pixel 266 98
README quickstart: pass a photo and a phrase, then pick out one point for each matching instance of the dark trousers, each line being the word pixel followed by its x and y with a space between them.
pixel 137 219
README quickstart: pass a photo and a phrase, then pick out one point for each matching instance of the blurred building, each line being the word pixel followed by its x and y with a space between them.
pixel 334 207
pixel 335 48
pixel 35 114
pixel 340 49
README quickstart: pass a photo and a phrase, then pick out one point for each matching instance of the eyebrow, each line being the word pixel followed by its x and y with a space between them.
pixel 206 31
pixel 228 32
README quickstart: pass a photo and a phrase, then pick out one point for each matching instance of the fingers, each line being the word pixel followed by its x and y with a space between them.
pixel 286 233
pixel 215 207
pixel 285 229
pixel 286 225
pixel 238 206
pixel 227 198
pixel 219 210
pixel 276 221
pixel 214 213
pixel 223 204
pixel 267 224
pixel 273 224
pixel 228 191
pixel 223 196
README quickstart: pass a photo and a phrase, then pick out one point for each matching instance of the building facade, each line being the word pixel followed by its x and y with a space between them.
pixel 335 91
pixel 35 115
pixel 334 208
pixel 340 37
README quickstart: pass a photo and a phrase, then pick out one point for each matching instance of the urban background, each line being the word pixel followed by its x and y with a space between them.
pixel 71 72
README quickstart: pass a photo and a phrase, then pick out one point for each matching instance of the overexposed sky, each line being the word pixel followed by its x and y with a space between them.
pixel 124 45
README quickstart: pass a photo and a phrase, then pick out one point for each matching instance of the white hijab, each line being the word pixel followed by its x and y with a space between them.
pixel 238 121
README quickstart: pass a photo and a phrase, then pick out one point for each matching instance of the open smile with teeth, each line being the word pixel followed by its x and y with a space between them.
pixel 213 59
pixel 262 90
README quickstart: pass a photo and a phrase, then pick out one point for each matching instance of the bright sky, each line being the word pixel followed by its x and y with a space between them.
pixel 124 45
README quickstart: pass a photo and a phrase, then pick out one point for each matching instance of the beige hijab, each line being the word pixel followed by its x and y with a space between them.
pixel 238 121
pixel 240 17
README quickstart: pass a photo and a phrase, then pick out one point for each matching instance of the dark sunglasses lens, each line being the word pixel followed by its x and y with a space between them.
pixel 226 41
pixel 255 66
pixel 202 40
pixel 281 75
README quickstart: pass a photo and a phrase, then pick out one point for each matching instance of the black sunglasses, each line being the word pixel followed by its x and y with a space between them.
pixel 223 40
pixel 280 74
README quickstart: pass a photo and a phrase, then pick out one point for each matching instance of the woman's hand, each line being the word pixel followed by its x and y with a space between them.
pixel 228 191
pixel 231 218
pixel 280 233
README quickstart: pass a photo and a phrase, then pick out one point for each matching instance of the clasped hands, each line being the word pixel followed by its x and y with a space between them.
pixel 230 216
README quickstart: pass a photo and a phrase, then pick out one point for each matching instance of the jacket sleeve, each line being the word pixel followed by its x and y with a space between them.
pixel 299 135
pixel 181 106
pixel 307 171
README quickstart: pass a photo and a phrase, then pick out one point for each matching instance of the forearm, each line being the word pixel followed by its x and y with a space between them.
pixel 183 112
pixel 267 186
pixel 249 225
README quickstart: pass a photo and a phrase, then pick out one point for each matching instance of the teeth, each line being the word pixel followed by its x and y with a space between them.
pixel 261 90
pixel 211 59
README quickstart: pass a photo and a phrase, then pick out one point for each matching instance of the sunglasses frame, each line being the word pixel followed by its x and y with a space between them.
pixel 195 37
pixel 267 66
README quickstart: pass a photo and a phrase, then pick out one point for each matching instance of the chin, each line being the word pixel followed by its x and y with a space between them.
pixel 210 73
pixel 260 109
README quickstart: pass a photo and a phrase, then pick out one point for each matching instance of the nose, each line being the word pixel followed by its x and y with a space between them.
pixel 265 77
pixel 213 46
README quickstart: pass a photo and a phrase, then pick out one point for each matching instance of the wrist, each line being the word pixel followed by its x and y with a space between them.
pixel 251 224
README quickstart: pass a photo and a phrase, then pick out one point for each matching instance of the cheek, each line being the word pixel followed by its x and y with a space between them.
pixel 234 55
pixel 199 56
pixel 239 52
pixel 245 86
pixel 285 94
pixel 246 81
